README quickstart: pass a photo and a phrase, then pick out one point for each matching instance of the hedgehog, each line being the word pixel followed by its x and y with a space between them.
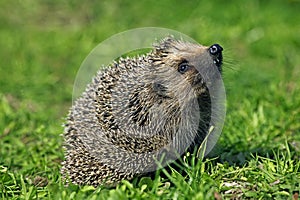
pixel 140 113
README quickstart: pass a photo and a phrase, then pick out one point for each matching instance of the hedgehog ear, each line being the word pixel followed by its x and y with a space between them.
pixel 165 44
pixel 160 89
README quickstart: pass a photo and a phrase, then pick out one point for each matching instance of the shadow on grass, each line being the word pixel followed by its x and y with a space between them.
pixel 236 157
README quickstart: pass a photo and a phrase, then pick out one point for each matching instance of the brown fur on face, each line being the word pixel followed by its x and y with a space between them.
pixel 172 53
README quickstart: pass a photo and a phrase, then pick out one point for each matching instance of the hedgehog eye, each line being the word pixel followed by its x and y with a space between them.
pixel 183 67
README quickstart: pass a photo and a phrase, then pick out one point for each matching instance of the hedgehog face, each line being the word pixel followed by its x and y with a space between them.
pixel 199 65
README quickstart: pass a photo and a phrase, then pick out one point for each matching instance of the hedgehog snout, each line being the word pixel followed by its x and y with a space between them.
pixel 216 51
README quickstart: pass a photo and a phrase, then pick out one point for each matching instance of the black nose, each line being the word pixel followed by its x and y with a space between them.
pixel 215 49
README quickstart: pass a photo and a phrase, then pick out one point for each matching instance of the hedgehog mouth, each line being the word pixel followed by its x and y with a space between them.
pixel 218 60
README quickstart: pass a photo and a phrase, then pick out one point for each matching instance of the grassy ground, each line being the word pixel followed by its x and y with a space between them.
pixel 44 42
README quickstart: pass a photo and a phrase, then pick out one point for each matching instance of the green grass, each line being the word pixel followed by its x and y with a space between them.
pixel 258 154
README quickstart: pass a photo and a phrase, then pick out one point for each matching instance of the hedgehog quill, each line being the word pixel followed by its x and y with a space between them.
pixel 139 110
